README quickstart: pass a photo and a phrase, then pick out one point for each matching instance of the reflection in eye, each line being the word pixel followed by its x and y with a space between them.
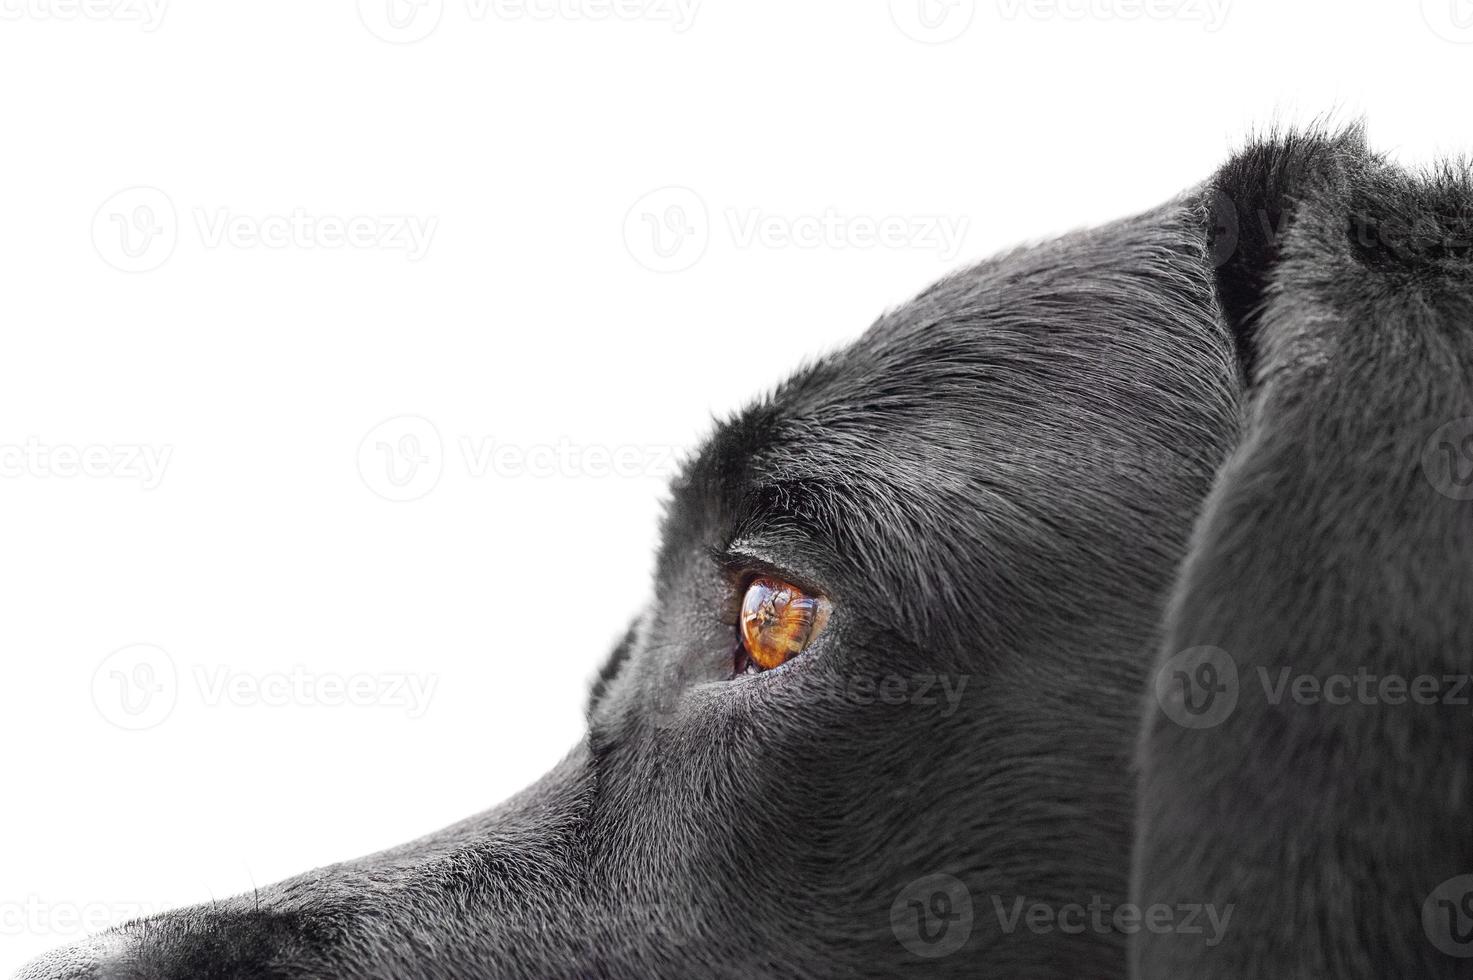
pixel 778 621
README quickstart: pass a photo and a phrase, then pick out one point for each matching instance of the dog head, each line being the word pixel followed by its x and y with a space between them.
pixel 954 538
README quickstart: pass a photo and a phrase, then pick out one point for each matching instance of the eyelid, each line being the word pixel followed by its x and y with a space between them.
pixel 743 562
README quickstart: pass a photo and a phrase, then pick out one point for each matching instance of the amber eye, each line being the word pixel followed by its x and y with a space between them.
pixel 778 621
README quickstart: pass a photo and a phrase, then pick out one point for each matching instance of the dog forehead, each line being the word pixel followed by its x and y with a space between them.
pixel 1010 391
pixel 904 398
pixel 991 354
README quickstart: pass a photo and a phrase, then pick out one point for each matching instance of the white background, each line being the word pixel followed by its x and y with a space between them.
pixel 205 267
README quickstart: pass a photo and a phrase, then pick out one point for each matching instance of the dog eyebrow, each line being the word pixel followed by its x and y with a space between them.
pixel 812 506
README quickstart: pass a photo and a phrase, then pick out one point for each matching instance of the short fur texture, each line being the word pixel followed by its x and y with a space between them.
pixel 997 486
pixel 1327 549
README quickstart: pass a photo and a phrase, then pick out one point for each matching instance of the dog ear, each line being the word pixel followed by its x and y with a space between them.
pixel 1305 795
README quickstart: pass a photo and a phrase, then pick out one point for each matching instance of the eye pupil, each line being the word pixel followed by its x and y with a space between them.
pixel 778 621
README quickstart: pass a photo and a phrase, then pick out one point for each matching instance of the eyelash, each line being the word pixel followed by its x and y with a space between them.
pixel 741 569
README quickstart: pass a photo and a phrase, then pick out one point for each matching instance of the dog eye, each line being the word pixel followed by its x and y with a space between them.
pixel 778 621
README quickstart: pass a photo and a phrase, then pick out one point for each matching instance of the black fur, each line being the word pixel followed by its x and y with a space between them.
pixel 1325 549
pixel 997 487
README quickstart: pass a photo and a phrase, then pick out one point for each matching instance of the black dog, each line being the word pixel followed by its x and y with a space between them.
pixel 925 615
